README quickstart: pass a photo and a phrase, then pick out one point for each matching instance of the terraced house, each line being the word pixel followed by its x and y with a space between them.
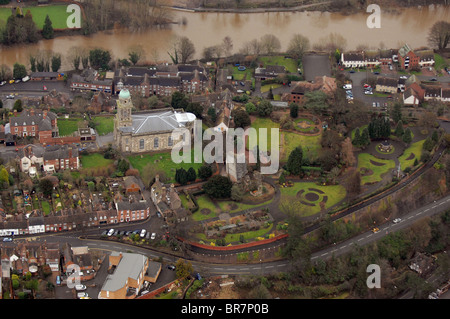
pixel 37 123
pixel 161 80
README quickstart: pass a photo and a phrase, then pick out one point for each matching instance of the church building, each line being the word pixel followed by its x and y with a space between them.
pixel 150 130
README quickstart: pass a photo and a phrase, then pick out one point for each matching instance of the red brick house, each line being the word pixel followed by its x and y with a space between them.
pixel 58 157
pixel 37 123
pixel 407 59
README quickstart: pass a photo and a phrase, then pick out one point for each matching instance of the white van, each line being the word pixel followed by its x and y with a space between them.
pixel 25 79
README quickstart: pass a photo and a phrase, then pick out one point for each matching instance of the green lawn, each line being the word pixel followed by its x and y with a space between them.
pixel 104 124
pixel 364 161
pixel 309 144
pixel 204 201
pixel 67 127
pixel 290 64
pixel 45 207
pixel 242 75
pixel 57 14
pixel 331 195
pixel 266 88
pixel 439 62
pixel 163 161
pixel 95 160
pixel 416 149
pixel 249 235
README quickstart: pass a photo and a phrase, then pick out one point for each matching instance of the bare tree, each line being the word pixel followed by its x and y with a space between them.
pixel 227 45
pixel 270 44
pixel 439 35
pixel 136 53
pixel 298 45
pixel 185 49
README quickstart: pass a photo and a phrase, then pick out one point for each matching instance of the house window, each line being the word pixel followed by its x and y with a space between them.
pixel 156 142
pixel 170 142
pixel 141 144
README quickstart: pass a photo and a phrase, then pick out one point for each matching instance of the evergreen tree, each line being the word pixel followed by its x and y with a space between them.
pixel 47 30
pixel 191 175
pixel 399 129
pixel 365 138
pixel 218 186
pixel 295 161
pixel 357 138
pixel 181 176
pixel 204 172
pixel 435 136
pixel 407 136
pixel 397 113
pixel 56 62
pixel 293 110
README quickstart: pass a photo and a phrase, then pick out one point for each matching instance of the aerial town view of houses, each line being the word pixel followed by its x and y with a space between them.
pixel 94 204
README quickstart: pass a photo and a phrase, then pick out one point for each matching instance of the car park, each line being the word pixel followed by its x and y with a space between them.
pixel 111 232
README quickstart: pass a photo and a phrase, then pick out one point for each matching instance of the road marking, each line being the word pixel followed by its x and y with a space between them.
pixel 360 239
pixel 324 254
pixel 269 266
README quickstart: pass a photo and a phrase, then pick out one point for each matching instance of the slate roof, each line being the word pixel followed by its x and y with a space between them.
pixel 159 121
pixel 387 81
pixel 59 151
pixel 130 266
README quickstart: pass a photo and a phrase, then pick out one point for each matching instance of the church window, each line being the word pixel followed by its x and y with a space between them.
pixel 156 142
pixel 170 142
pixel 141 144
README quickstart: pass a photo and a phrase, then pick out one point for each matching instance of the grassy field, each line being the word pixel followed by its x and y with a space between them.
pixel 95 160
pixel 104 124
pixel 439 62
pixel 364 161
pixel 204 202
pixel 333 193
pixel 416 149
pixel 163 161
pixel 67 127
pixel 289 64
pixel 288 140
pixel 310 145
pixel 57 14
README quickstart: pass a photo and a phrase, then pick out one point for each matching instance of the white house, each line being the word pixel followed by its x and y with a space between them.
pixel 353 60
pixel 410 97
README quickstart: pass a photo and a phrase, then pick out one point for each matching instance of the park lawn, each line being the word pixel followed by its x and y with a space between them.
pixel 204 201
pixel 416 149
pixel 104 124
pixel 95 160
pixel 67 127
pixel 334 193
pixel 56 13
pixel 290 64
pixel 310 145
pixel 163 161
pixel 378 170
pixel 248 235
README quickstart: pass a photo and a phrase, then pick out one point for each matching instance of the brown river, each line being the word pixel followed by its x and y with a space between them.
pixel 409 25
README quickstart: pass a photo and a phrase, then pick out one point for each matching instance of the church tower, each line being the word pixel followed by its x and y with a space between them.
pixel 124 107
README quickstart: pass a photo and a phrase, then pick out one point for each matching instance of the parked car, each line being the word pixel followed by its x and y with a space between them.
pixel 80 287
pixel 82 295
pixel 433 79
pixel 111 232
pixel 171 267
pixel 2 83
pixel 347 87
pixel 127 232
pixel 143 232
pixel 25 79
pixel 7 239
pixel 397 220
pixel 242 83
pixel 153 236
pixel 375 230
pixel 368 92
pixel 10 96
